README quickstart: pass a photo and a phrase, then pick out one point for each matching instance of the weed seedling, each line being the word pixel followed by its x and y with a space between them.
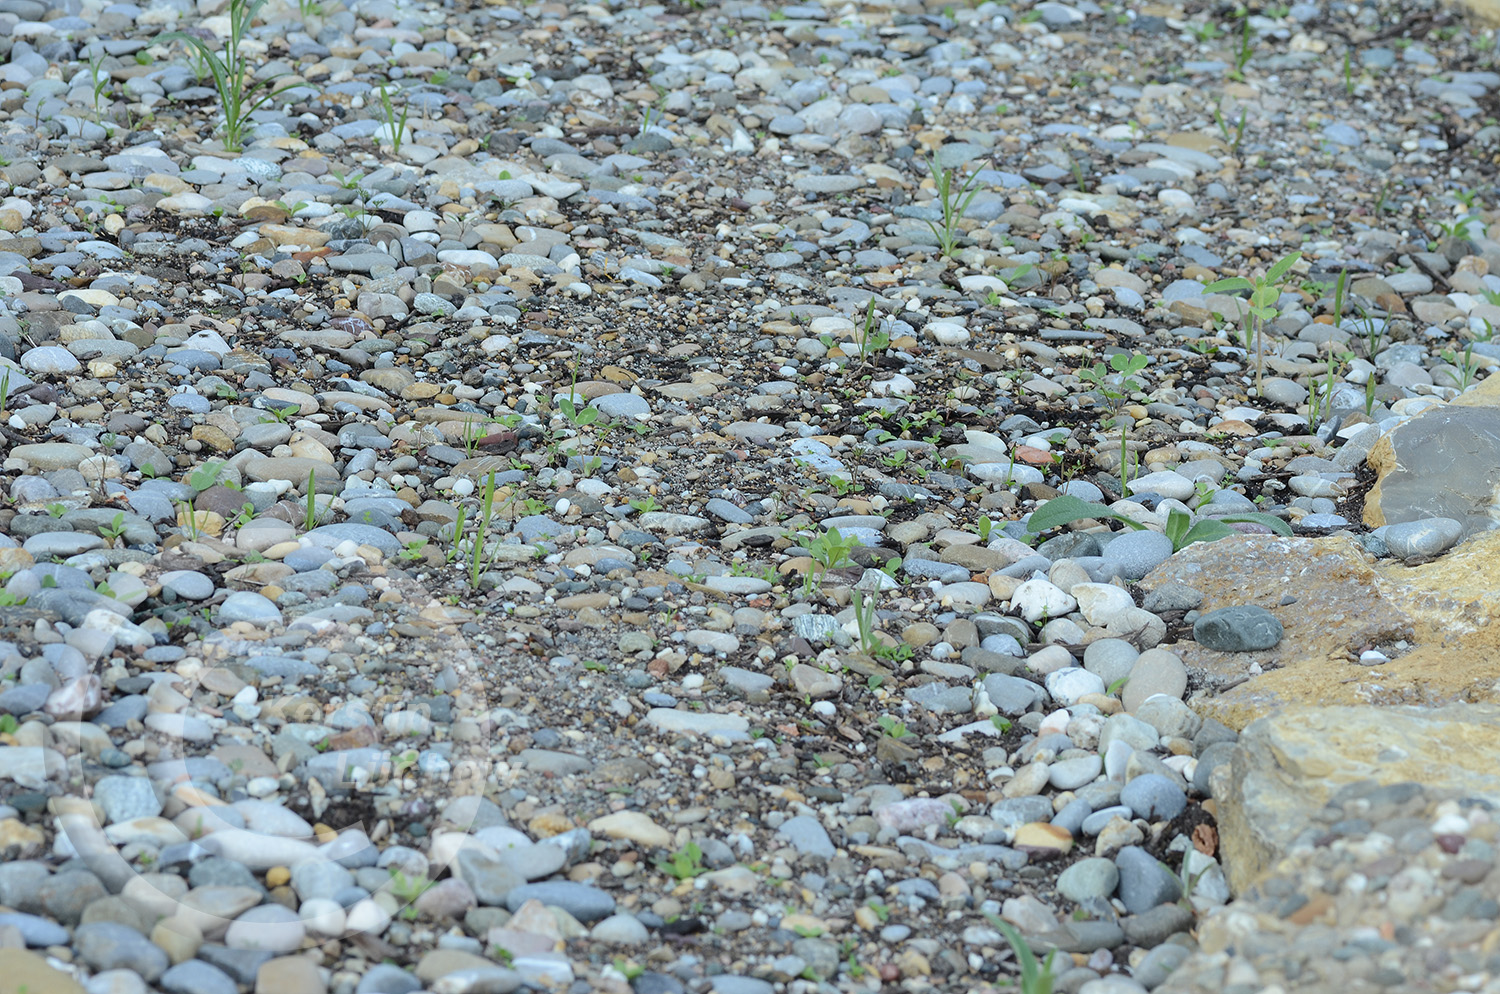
pixel 476 555
pixel 953 200
pixel 829 551
pixel 240 95
pixel 310 518
pixel 1264 292
pixel 112 531
pixel 1181 529
pixel 684 864
pixel 1036 978
pixel 890 726
pixel 395 125
pixel 1117 386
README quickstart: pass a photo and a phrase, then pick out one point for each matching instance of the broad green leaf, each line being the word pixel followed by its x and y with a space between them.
pixel 1066 509
pixel 1279 270
pixel 1177 527
pixel 1258 518
pixel 1206 530
pixel 1229 283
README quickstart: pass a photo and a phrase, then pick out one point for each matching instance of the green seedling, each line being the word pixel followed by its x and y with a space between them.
pixel 1264 292
pixel 684 864
pixel 1232 137
pixel 396 126
pixel 890 726
pixel 870 339
pixel 953 201
pixel 4 392
pixel 189 519
pixel 1180 528
pixel 57 510
pixel 476 555
pixel 240 95
pixel 1002 725
pixel 1036 978
pixel 112 532
pixel 1117 686
pixel 1243 52
pixel 310 517
pixel 412 551
pixel 1466 366
pixel 828 551
pixel 408 889
pixel 8 724
pixel 645 504
pixel 207 475
pixel 1320 397
pixel 1117 386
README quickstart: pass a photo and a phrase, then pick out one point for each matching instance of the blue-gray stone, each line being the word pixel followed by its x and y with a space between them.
pixel 587 904
pixel 330 536
pixel 384 978
pixel 622 405
pixel 1136 553
pixel 928 569
pixel 35 930
pixel 119 713
pixel 25 698
pixel 726 983
pixel 1153 797
pixel 317 878
pixel 725 511
pixel 241 964
pixel 1014 812
pixel 1144 882
pixel 1094 823
pixel 112 946
pixel 1072 816
pixel 1088 879
pixel 1013 695
pixel 246 605
pixel 808 836
pixel 1238 628
pixel 197 977
pixel 1421 539
pixel 126 798
pixel 940 698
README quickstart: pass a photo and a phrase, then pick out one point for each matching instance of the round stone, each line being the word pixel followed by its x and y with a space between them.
pixel 1153 797
pixel 1136 553
pixel 1088 879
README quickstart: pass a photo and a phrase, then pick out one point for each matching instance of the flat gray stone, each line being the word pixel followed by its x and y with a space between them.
pixel 1239 628
pixel 1440 464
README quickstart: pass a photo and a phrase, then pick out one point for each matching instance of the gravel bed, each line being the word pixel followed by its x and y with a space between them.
pixel 610 497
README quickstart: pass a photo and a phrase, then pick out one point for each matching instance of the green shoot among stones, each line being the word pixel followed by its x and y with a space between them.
pixel 1264 292
pixel 240 95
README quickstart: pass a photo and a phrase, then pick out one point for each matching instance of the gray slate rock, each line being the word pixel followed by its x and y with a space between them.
pixel 587 904
pixel 1239 628
pixel 1144 883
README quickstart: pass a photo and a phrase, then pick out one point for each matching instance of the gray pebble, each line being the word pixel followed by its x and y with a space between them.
pixel 1239 628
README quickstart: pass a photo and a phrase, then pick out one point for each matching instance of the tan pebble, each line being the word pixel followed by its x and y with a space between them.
pixel 1039 838
pixel 548 824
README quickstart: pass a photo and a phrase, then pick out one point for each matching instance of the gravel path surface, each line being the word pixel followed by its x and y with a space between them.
pixel 606 497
